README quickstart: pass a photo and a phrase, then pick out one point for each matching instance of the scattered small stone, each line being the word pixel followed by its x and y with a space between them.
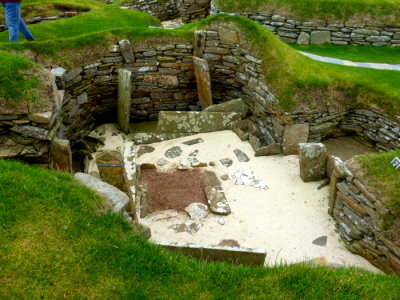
pixel 193 142
pixel 221 221
pixel 194 153
pixel 212 164
pixel 248 178
pixel 229 243
pixel 188 227
pixel 197 211
pixel 226 162
pixel 162 162
pixel 183 166
pixel 173 152
pixel 147 167
pixel 321 241
pixel 241 156
pixel 324 183
pixel 145 149
pixel 225 177
pixel 195 163
pixel 217 200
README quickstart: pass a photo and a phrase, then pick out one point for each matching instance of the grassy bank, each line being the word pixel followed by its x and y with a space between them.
pixel 371 11
pixel 57 241
pixel 299 82
pixel 388 55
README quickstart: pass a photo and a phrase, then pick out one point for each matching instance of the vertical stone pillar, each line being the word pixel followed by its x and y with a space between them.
pixel 332 193
pixel 124 99
pixel 61 155
pixel 202 73
pixel 112 170
pixel 200 43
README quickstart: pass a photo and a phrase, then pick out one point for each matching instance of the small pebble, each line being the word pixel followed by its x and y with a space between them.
pixel 221 221
pixel 212 164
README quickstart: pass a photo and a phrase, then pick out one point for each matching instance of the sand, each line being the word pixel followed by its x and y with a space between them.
pixel 284 220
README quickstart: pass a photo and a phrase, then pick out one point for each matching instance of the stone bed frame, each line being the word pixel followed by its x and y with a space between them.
pixel 163 79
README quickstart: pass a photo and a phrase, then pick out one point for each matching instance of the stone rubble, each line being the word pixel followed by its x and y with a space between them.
pixel 247 178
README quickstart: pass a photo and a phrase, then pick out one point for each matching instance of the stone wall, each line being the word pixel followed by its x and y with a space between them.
pixel 188 10
pixel 315 32
pixel 359 214
pixel 162 79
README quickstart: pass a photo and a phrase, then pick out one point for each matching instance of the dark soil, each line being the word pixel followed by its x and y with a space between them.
pixel 346 147
pixel 173 190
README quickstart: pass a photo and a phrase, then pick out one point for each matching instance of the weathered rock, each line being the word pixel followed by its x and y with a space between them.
pixel 237 106
pixel 195 122
pixel 321 241
pixel 162 162
pixel 116 199
pixel 202 73
pixel 173 152
pixel 254 142
pixel 217 200
pixel 193 142
pixel 292 136
pixel 229 243
pixel 241 156
pixel 127 52
pixel 303 39
pixel 320 37
pixel 227 35
pixel 210 179
pixel 244 136
pixel 31 131
pixel 226 162
pixel 312 161
pixel 189 227
pixel 197 211
pixel 124 99
pixel 41 118
pixel 273 149
pixel 144 150
pixel 61 155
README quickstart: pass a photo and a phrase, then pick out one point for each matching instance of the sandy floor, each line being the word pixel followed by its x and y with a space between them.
pixel 284 220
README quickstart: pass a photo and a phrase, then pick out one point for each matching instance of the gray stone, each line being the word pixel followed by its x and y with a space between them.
pixel 195 122
pixel 226 162
pixel 145 149
pixel 254 142
pixel 127 52
pixel 202 74
pixel 124 99
pixel 292 136
pixel 217 200
pixel 273 149
pixel 210 179
pixel 237 106
pixel 31 131
pixel 173 152
pixel 117 200
pixel 193 142
pixel 303 39
pixel 162 162
pixel 320 37
pixel 41 118
pixel 321 241
pixel 241 156
pixel 197 211
pixel 312 161
pixel 188 227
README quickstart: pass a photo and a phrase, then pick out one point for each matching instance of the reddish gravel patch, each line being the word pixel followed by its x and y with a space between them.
pixel 173 189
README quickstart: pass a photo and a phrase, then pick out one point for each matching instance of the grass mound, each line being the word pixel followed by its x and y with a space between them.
pixel 370 11
pixel 56 241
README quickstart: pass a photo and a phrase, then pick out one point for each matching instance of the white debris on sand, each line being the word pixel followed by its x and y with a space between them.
pixel 248 178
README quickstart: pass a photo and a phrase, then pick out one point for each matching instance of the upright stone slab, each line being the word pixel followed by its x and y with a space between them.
pixel 312 161
pixel 195 122
pixel 292 136
pixel 127 51
pixel 61 155
pixel 202 73
pixel 124 99
pixel 200 43
pixel 236 105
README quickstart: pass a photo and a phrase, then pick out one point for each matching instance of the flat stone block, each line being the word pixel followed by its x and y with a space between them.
pixel 195 122
pixel 292 136
pixel 312 161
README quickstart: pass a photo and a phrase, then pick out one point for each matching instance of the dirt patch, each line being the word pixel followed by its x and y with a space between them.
pixel 346 147
pixel 173 189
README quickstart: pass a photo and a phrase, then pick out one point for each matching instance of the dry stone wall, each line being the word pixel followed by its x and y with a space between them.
pixel 188 10
pixel 359 216
pixel 315 32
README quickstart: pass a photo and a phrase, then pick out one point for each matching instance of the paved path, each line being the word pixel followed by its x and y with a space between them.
pixel 349 63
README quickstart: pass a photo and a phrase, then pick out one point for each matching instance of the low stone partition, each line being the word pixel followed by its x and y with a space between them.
pixel 352 32
pixel 188 10
pixel 26 130
pixel 359 214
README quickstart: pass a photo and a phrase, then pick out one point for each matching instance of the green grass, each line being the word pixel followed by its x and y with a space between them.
pixel 379 174
pixel 297 81
pixel 56 242
pixel 389 55
pixel 374 11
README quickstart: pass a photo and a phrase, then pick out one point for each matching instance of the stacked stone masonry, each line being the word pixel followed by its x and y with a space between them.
pixel 188 10
pixel 359 217
pixel 352 32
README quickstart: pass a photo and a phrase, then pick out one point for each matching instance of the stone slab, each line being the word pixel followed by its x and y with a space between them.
pixel 202 73
pixel 312 161
pixel 292 136
pixel 210 253
pixel 195 122
pixel 236 105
